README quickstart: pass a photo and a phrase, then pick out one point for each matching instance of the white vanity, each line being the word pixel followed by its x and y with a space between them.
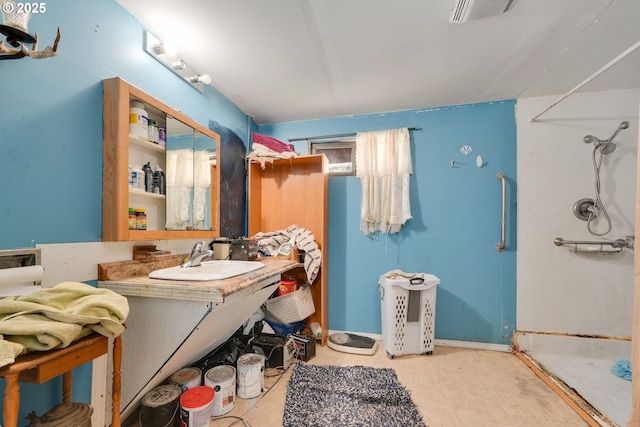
pixel 172 324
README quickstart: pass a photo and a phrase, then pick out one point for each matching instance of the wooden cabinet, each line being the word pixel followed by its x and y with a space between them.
pixel 295 191
pixel 120 149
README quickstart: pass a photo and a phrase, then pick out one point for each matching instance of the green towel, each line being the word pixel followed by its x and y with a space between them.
pixel 55 317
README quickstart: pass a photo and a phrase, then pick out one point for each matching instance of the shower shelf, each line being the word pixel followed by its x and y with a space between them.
pixel 596 245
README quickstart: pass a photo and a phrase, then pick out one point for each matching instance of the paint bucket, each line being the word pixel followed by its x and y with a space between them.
pixel 222 379
pixel 195 406
pixel 187 378
pixel 250 375
pixel 161 407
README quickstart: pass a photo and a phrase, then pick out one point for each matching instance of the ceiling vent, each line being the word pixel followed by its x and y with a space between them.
pixel 467 10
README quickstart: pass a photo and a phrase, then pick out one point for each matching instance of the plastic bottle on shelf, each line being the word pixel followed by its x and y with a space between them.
pixel 138 120
pixel 137 177
pixel 152 135
pixel 130 177
pixel 162 136
pixel 158 181
pixel 148 177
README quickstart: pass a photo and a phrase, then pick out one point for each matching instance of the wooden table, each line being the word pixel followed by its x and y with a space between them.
pixel 41 366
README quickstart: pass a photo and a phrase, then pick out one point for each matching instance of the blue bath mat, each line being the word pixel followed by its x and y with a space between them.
pixel 622 368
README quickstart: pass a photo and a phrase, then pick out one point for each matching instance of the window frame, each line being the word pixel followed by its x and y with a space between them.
pixel 335 145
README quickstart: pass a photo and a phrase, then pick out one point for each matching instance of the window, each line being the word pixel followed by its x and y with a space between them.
pixel 341 155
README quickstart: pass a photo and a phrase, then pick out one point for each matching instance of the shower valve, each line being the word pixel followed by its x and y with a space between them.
pixel 585 209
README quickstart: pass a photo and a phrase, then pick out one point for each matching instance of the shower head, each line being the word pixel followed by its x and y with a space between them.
pixel 621 126
pixel 590 139
pixel 607 147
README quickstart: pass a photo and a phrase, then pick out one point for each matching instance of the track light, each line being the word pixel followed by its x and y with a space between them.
pixel 166 54
pixel 164 48
pixel 179 65
pixel 200 78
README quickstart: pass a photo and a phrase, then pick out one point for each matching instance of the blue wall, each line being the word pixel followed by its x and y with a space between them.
pixel 51 136
pixel 51 170
pixel 455 224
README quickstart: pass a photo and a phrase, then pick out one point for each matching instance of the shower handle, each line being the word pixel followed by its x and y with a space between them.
pixel 500 247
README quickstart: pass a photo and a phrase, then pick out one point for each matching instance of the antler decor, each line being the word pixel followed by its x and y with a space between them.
pixel 9 53
pixel 16 18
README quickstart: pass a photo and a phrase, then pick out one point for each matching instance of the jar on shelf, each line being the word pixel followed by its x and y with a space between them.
pixel 132 219
pixel 141 219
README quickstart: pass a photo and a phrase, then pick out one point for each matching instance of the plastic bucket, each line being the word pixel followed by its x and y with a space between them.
pixel 161 407
pixel 187 378
pixel 195 406
pixel 222 379
pixel 287 286
pixel 250 375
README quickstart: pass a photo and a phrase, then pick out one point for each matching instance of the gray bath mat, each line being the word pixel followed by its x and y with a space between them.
pixel 319 396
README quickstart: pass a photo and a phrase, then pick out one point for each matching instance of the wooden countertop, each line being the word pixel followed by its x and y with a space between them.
pixel 113 276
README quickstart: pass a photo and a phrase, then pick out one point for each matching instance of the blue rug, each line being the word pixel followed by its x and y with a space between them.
pixel 319 396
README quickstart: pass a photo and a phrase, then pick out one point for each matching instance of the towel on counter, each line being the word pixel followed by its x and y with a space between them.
pixel 305 240
pixel 50 318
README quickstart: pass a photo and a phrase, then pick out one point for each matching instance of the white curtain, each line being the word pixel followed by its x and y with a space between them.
pixel 179 182
pixel 383 164
pixel 201 183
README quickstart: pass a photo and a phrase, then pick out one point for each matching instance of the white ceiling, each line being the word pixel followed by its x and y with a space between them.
pixel 289 60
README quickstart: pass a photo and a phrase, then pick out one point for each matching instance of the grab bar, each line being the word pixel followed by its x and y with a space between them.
pixel 503 222
pixel 590 244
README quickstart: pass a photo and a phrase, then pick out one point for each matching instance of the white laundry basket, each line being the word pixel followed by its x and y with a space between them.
pixel 408 313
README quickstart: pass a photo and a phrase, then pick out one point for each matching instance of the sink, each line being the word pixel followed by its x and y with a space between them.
pixel 208 270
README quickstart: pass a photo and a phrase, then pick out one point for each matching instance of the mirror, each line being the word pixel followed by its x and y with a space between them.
pixel 188 177
pixel 204 158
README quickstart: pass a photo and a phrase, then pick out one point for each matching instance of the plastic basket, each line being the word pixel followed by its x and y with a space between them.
pixel 285 330
pixel 292 307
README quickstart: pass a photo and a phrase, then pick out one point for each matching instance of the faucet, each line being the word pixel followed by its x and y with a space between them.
pixel 197 255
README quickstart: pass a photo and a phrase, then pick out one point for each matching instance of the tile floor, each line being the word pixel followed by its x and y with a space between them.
pixel 453 387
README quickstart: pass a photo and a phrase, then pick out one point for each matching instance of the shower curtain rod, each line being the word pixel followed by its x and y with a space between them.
pixel 611 63
pixel 339 135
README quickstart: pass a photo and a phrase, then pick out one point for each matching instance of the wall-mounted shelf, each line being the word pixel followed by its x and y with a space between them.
pixel 144 144
pixel 143 193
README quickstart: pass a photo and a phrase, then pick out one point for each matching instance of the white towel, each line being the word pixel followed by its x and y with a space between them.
pixel 270 242
pixel 263 154
pixel 383 164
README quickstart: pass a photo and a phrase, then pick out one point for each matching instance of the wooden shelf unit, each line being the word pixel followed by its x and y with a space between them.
pixel 116 153
pixel 295 191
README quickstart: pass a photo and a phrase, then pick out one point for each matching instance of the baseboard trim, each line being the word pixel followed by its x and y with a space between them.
pixel 474 345
pixel 444 343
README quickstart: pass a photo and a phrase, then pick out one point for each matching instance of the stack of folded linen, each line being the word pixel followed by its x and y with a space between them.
pixel 266 149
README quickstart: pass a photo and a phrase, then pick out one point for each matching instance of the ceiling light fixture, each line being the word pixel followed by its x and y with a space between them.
pixel 200 78
pixel 166 54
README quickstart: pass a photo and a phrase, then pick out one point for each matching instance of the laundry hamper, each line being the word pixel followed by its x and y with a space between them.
pixel 408 313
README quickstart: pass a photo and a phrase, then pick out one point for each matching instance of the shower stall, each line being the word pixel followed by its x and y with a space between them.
pixel 576 226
